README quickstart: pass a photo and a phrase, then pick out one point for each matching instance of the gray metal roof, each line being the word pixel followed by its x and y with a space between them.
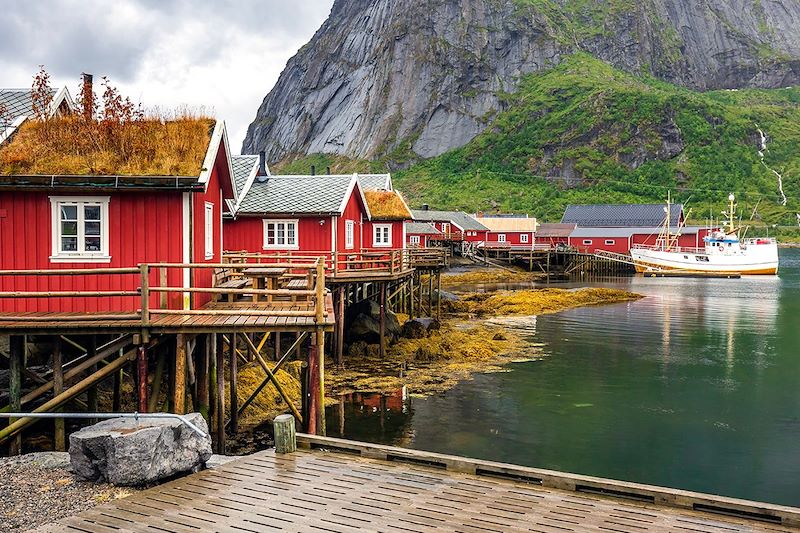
pixel 620 215
pixel 18 102
pixel 243 167
pixel 375 182
pixel 457 218
pixel 421 228
pixel 627 232
pixel 296 195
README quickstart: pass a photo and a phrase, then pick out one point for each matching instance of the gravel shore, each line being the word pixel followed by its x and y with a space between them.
pixel 38 488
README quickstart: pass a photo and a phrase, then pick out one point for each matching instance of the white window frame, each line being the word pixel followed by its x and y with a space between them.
pixel 501 237
pixel 587 242
pixel 414 240
pixel 276 245
pixel 59 256
pixel 524 238
pixel 378 229
pixel 209 230
pixel 349 234
pixel 610 242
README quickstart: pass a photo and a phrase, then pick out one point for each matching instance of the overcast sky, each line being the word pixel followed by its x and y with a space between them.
pixel 223 54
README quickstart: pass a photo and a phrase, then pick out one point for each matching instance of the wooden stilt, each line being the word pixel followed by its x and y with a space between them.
pixel 158 378
pixel 277 345
pixel 16 364
pixel 201 380
pixel 141 374
pixel 340 326
pixel 383 319
pixel 58 388
pixel 179 375
pixel 91 396
pixel 321 376
pixel 313 387
pixel 116 395
pixel 233 363
pixel 438 295
pixel 219 420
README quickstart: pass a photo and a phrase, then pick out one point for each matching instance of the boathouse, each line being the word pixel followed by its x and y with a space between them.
pixel 68 206
pixel 421 234
pixel 550 236
pixel 455 226
pixel 622 215
pixel 509 232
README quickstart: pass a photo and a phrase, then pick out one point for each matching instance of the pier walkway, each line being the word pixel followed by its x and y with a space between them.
pixel 340 486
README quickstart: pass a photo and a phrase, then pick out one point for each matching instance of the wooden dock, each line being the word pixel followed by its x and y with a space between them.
pixel 379 488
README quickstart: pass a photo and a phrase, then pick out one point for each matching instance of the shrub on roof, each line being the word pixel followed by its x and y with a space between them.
pixel 386 205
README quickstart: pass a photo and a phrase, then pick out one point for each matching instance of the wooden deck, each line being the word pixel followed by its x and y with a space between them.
pixel 337 492
pixel 63 323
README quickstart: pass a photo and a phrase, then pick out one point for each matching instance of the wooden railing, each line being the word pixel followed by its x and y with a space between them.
pixel 153 298
pixel 449 236
pixel 371 261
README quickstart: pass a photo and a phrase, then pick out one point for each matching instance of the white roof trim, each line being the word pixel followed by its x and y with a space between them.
pixel 9 131
pixel 62 96
pixel 219 136
pixel 247 185
pixel 349 193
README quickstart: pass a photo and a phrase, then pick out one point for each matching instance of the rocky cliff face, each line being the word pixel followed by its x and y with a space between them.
pixel 424 76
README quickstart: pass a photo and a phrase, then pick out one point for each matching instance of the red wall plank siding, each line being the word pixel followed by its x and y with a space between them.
pixel 143 227
pixel 513 238
pixel 397 235
pixel 247 234
pixel 353 210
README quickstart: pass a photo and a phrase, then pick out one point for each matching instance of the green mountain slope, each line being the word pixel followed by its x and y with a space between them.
pixel 584 132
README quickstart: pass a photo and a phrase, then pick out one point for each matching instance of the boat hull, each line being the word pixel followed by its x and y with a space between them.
pixel 759 260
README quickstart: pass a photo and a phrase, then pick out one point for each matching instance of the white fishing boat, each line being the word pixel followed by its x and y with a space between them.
pixel 723 251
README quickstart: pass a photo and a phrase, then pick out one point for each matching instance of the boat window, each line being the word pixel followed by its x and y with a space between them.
pixel 703 258
pixel 686 257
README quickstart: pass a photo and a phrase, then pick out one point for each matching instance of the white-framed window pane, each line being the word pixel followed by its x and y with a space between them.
pixel 69 212
pixel 69 244
pixel 69 228
pixel 91 229
pixel 291 234
pixel 281 240
pixel 80 227
pixel 91 212
pixel 209 230
pixel 271 234
pixel 92 244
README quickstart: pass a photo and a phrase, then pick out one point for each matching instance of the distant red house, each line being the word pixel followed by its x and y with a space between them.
pixel 550 236
pixel 509 232
pixel 96 221
pixel 454 226
pixel 295 213
pixel 386 227
pixel 421 234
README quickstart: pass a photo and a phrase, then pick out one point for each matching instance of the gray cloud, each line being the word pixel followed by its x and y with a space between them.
pixel 170 51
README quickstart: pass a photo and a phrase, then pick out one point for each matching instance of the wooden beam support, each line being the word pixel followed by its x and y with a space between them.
pixel 383 319
pixel 141 378
pixel 219 421
pixel 58 388
pixel 16 363
pixel 320 355
pixel 340 305
pixel 179 375
pixel 233 363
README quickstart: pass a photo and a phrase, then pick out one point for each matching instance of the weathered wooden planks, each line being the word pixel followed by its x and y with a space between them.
pixel 325 491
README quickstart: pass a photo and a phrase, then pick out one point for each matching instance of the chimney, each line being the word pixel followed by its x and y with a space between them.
pixel 262 167
pixel 425 207
pixel 88 97
pixel 313 170
pixel 328 171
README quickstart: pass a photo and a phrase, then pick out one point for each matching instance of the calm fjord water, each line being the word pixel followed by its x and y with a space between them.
pixel 697 386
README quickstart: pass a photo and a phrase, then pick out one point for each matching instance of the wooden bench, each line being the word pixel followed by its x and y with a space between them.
pixel 228 278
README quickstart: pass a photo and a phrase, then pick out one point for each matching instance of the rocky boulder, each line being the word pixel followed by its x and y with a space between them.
pixel 363 323
pixel 419 328
pixel 125 451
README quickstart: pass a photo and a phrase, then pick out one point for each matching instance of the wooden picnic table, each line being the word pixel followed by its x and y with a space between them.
pixel 264 278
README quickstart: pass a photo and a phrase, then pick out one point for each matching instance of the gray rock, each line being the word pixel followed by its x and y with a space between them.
pixel 445 296
pixel 419 328
pixel 215 461
pixel 363 323
pixel 382 72
pixel 123 451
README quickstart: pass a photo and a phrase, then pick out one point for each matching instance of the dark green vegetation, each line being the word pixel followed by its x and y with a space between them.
pixel 584 132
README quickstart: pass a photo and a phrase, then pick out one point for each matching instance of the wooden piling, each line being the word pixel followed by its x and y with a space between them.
pixel 321 373
pixel 141 374
pixel 284 431
pixel 201 380
pixel 179 375
pixel 91 396
pixel 59 439
pixel 312 415
pixel 234 376
pixel 277 340
pixel 340 325
pixel 219 421
pixel 383 318
pixel 158 377
pixel 16 364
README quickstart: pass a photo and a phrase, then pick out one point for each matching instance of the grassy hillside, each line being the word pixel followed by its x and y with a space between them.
pixel 584 132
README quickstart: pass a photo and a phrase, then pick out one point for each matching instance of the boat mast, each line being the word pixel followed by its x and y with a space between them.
pixel 668 222
pixel 731 214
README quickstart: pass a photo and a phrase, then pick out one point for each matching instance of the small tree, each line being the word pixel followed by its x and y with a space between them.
pixel 41 94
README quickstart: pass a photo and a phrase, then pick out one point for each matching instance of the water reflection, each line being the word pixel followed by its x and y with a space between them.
pixel 371 416
pixel 694 386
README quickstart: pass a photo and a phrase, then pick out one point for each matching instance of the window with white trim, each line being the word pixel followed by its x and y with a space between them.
pixel 280 234
pixel 209 226
pixel 349 234
pixel 80 228
pixel 501 237
pixel 587 242
pixel 610 242
pixel 413 240
pixel 524 238
pixel 382 235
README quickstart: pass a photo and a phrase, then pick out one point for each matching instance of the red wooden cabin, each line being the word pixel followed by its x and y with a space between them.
pixel 550 236
pixel 421 234
pixel 620 240
pixel 507 232
pixel 96 221
pixel 385 230
pixel 297 214
pixel 455 226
